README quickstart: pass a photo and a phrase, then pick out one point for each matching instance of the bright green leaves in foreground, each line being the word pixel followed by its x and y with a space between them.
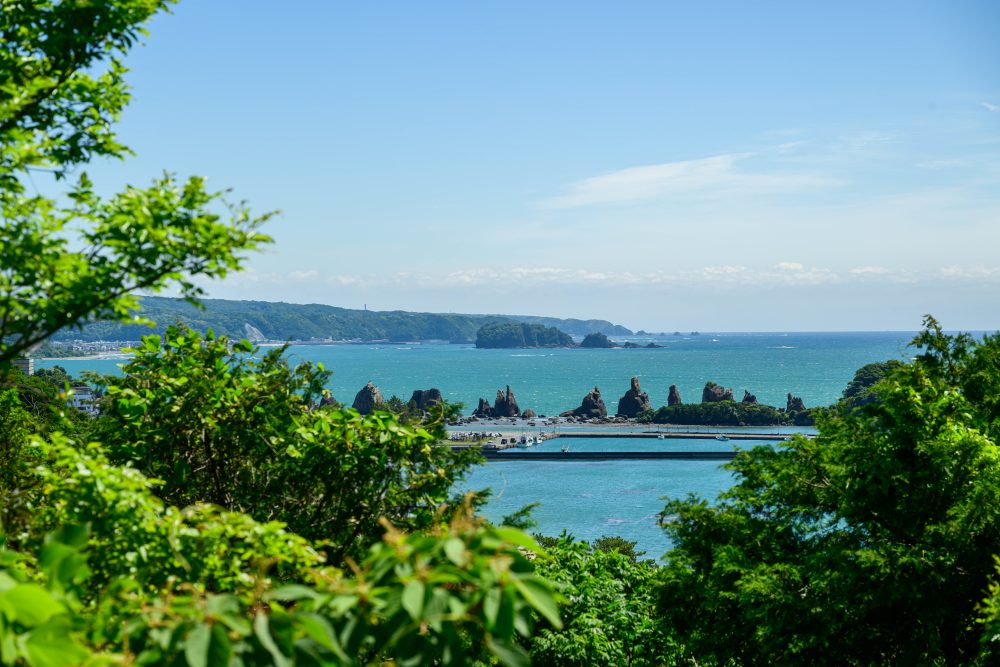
pixel 127 576
pixel 872 544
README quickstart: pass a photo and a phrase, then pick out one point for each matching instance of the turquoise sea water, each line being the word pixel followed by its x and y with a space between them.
pixel 614 497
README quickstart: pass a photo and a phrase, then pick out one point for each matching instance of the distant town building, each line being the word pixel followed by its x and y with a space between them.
pixel 25 364
pixel 83 398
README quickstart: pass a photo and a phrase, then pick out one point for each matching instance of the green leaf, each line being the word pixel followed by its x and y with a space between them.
pixel 292 592
pixel 509 654
pixel 52 645
pixel 517 538
pixel 33 604
pixel 541 598
pixel 262 630
pixel 454 549
pixel 413 599
pixel 196 645
pixel 320 631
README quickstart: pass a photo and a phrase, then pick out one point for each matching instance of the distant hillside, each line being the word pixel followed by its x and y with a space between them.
pixel 286 321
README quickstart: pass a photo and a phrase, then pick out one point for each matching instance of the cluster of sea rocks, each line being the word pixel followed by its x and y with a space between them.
pixel 370 399
pixel 634 402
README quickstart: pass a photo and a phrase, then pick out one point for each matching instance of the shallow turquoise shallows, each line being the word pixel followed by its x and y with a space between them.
pixel 604 498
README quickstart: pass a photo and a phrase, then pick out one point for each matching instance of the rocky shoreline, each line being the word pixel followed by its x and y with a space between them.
pixel 718 407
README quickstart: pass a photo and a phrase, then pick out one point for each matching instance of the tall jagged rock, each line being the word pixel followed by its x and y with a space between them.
pixel 794 404
pixel 634 401
pixel 505 405
pixel 423 399
pixel 368 399
pixel 592 406
pixel 674 397
pixel 714 393
pixel 748 397
pixel 483 410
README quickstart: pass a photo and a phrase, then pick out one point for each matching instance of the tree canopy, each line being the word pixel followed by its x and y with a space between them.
pixel 873 543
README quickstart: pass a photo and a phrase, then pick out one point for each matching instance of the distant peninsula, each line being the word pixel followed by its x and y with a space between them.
pixel 263 321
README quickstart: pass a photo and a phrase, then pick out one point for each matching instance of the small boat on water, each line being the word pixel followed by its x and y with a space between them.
pixel 661 437
pixel 721 437
pixel 564 449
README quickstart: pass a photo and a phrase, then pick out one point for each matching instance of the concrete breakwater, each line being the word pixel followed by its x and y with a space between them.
pixel 672 435
pixel 523 455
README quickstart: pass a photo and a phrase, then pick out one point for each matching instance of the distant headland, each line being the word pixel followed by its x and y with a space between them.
pixel 264 321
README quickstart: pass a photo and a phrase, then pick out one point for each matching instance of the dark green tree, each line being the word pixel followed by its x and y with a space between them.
pixel 220 422
pixel 872 544
pixel 610 617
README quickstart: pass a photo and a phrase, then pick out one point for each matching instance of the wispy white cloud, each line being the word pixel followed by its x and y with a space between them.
pixel 781 275
pixel 992 108
pixel 789 266
pixel 718 175
pixel 863 142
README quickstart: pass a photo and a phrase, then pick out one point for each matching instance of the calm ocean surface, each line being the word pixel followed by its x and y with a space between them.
pixel 601 498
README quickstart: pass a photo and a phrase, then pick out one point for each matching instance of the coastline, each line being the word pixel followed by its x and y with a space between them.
pixel 102 356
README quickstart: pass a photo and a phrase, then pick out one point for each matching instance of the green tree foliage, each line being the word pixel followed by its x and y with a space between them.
pixel 871 545
pixel 127 577
pixel 220 422
pixel 723 413
pixel 65 261
pixel 596 340
pixel 860 390
pixel 515 334
pixel 610 616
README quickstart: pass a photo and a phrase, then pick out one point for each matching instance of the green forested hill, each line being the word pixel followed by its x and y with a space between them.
pixel 286 321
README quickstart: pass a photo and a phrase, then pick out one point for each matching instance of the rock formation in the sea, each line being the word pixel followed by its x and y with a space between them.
pixel 368 399
pixel 483 410
pixel 794 404
pixel 748 397
pixel 633 402
pixel 529 414
pixel 674 397
pixel 505 405
pixel 714 393
pixel 423 399
pixel 327 399
pixel 592 407
pixel 596 340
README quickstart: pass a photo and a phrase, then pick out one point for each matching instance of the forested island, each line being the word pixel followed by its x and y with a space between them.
pixel 517 335
pixel 274 321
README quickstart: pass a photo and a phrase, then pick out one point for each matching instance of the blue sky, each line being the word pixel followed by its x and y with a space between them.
pixel 666 165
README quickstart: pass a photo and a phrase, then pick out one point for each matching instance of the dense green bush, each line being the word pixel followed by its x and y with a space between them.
pixel 610 615
pixel 873 544
pixel 723 413
pixel 219 422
